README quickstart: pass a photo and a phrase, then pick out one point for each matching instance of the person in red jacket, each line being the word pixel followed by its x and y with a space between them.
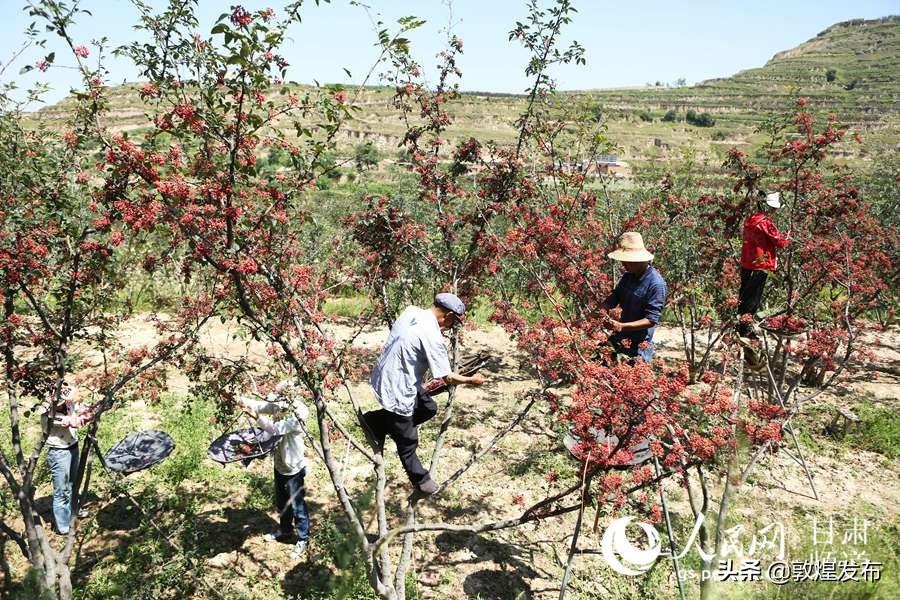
pixel 761 240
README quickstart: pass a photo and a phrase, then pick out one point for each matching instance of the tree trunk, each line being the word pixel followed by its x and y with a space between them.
pixel 50 570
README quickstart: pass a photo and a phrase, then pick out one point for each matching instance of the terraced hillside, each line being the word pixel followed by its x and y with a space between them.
pixel 850 68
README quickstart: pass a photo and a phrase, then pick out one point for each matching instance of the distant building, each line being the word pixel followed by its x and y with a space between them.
pixel 609 164
pixel 602 164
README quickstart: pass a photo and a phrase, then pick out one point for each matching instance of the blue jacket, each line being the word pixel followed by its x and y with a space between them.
pixel 639 297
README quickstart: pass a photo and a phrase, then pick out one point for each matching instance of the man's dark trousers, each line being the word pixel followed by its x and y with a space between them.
pixel 750 296
pixel 404 432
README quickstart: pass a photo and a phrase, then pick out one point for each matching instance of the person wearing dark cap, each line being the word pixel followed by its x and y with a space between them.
pixel 414 345
pixel 640 293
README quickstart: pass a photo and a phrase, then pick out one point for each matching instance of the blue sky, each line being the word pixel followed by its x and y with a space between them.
pixel 627 43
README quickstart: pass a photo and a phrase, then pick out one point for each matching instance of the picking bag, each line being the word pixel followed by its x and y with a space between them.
pixel 242 445
pixel 138 451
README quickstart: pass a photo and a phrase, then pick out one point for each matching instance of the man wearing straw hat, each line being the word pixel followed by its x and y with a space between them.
pixel 641 294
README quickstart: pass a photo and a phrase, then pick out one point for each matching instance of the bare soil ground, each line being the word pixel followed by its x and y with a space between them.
pixel 521 563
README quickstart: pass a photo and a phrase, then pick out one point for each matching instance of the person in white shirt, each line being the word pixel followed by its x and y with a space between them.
pixel 62 451
pixel 415 344
pixel 287 414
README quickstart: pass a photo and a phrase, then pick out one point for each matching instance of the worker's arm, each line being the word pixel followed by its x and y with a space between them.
pixel 282 426
pixel 80 415
pixel 457 379
pixel 614 298
pixel 254 408
pixel 644 323
pixel 778 238
pixel 656 300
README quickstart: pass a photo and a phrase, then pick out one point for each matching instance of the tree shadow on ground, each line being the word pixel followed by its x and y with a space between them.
pixel 465 507
pixel 494 584
pixel 44 508
pixel 517 368
pixel 85 561
pixel 465 417
pixel 119 515
pixel 334 566
pixel 513 559
pixel 309 579
pixel 517 467
pixel 226 530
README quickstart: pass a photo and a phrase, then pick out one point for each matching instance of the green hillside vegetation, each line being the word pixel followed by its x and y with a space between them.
pixel 849 69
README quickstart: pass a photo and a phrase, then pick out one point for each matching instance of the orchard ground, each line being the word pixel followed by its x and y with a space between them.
pixel 218 516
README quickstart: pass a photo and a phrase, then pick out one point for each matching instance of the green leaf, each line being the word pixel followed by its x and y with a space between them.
pixel 410 22
pixel 220 28
pixel 25 69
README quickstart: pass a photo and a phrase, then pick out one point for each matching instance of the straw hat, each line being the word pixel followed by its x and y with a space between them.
pixel 631 249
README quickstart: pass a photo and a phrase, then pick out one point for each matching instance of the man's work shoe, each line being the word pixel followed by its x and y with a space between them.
pixel 277 536
pixel 427 486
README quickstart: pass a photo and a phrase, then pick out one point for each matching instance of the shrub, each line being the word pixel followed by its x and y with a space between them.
pixel 670 116
pixel 700 119
pixel 705 120
pixel 830 75
pixel 646 116
pixel 403 156
pixel 329 166
pixel 366 155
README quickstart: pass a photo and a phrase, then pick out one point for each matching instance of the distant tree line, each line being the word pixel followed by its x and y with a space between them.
pixel 691 116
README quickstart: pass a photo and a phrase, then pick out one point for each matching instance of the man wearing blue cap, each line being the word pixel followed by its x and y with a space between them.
pixel 414 345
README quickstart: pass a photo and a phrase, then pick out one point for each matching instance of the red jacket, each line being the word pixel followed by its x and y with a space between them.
pixel 761 238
